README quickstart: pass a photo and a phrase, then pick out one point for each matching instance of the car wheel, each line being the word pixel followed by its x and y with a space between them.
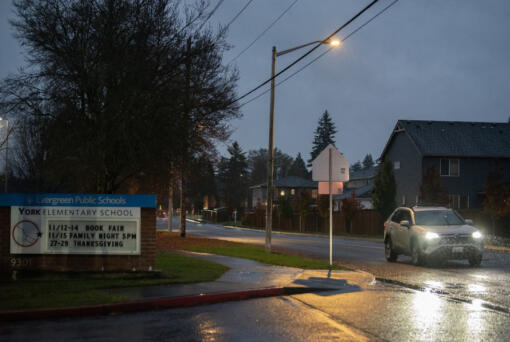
pixel 416 256
pixel 475 260
pixel 389 252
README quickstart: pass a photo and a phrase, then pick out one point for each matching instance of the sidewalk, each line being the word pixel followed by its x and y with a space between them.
pixel 247 275
pixel 244 280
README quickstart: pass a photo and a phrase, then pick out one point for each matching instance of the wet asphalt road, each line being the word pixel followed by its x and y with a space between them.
pixel 377 312
pixel 453 303
pixel 489 283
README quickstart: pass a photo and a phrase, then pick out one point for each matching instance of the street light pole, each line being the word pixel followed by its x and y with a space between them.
pixel 270 150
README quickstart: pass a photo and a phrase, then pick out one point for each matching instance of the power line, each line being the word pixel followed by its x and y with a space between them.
pixel 263 32
pixel 239 13
pixel 307 53
pixel 322 54
pixel 211 14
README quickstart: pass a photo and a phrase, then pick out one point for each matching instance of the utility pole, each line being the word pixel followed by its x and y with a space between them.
pixel 170 212
pixel 270 159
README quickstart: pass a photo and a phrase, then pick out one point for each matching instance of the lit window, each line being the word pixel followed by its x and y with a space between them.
pixel 314 193
pixel 396 165
pixel 282 193
pixel 292 192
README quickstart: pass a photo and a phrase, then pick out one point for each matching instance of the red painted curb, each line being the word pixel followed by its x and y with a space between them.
pixel 144 305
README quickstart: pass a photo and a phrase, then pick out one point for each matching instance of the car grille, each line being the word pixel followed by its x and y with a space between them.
pixel 456 239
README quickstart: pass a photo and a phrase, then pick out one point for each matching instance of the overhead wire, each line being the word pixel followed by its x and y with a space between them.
pixel 211 14
pixel 322 54
pixel 239 13
pixel 263 32
pixel 306 53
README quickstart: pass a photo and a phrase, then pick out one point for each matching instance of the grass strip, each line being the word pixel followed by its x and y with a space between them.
pixel 172 241
pixel 61 289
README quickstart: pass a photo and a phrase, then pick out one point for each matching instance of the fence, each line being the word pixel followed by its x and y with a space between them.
pixel 366 222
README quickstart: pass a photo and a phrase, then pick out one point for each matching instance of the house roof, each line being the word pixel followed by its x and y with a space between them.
pixel 363 174
pixel 456 138
pixel 290 182
pixel 364 191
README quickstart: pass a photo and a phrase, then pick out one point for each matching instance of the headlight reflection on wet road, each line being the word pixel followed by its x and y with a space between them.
pixel 427 311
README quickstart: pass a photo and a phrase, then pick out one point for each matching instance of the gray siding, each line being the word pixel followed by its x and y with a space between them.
pixel 408 177
pixel 472 177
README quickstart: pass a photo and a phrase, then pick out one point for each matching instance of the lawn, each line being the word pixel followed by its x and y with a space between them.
pixel 172 241
pixel 61 289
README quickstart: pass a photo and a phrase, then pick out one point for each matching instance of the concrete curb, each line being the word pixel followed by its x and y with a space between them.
pixel 152 304
pixel 498 248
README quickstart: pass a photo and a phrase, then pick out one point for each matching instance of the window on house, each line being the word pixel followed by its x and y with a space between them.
pixel 450 167
pixel 314 193
pixel 292 192
pixel 396 165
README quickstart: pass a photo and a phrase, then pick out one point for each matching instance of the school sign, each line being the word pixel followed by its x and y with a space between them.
pixel 79 224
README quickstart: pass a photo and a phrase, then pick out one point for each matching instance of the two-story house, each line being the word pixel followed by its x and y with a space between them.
pixel 290 186
pixel 463 153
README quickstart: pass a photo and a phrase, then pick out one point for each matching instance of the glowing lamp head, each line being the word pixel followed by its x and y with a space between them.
pixel 334 42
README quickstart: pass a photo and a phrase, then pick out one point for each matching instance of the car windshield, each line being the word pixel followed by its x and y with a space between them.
pixel 437 218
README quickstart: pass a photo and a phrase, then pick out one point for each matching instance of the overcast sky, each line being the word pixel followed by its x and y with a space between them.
pixel 421 60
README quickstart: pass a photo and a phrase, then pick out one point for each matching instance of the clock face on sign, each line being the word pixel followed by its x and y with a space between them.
pixel 26 233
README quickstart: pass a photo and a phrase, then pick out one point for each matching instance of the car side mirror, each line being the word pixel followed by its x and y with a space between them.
pixel 469 222
pixel 405 223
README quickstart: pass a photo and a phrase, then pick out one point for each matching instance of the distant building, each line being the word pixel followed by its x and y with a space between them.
pixel 290 186
pixel 361 183
pixel 463 153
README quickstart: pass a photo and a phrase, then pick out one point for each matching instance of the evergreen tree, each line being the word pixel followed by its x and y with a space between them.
pixel 323 136
pixel 385 189
pixel 298 168
pixel 257 165
pixel 356 167
pixel 497 197
pixel 368 162
pixel 232 173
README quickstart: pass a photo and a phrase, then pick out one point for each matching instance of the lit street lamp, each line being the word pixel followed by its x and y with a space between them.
pixel 270 150
pixel 6 150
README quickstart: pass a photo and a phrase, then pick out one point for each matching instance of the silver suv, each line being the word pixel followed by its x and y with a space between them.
pixel 431 234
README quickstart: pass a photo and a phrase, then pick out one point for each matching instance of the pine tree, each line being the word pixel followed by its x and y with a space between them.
pixel 324 135
pixel 385 190
pixel 298 168
pixel 356 167
pixel 233 174
pixel 368 162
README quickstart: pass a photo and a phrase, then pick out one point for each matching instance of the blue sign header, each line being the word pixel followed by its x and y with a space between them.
pixel 78 200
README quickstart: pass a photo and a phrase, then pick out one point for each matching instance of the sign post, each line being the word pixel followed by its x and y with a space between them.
pixel 330 166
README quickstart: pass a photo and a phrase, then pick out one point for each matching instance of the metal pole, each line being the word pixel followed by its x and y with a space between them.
pixel 6 153
pixel 170 212
pixel 270 159
pixel 330 212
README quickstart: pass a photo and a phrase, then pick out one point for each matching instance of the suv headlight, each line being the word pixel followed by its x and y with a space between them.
pixel 431 236
pixel 477 235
